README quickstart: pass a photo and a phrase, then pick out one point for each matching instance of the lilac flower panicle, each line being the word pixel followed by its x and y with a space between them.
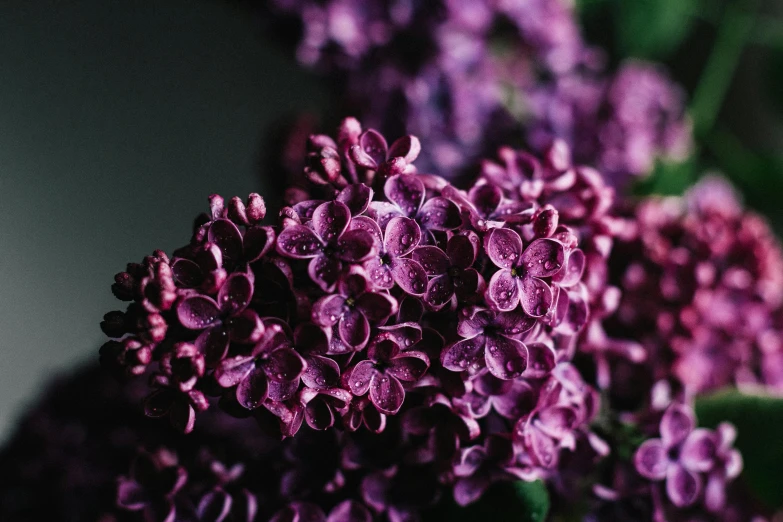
pixel 437 322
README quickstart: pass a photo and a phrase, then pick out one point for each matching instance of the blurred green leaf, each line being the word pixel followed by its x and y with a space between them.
pixel 759 422
pixel 668 178
pixel 504 502
pixel 653 29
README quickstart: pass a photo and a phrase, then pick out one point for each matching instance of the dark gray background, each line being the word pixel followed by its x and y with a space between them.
pixel 117 119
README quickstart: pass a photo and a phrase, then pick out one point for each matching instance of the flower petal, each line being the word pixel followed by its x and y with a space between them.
pixel 330 220
pixel 462 249
pixel 197 312
pixel 281 391
pixel 354 246
pixel 541 360
pixel 374 145
pixel 468 285
pixel 504 247
pixel 298 242
pixel 469 489
pixel 386 393
pixel 514 323
pixel 543 257
pixel 319 414
pixel 382 212
pixel 356 197
pixel 650 459
pixel 321 372
pixel 432 259
pixel 536 296
pixel 406 191
pixel 246 327
pixel 682 486
pixel 253 389
pixel 402 236
pixel 369 226
pixel 376 307
pixel 213 343
pixel 407 148
pixel 439 291
pixel 503 290
pixel 556 421
pixel 186 273
pixel 486 198
pixel 236 293
pixel 258 242
pixel 232 370
pixel 409 366
pixel 410 276
pixel 677 422
pixel 284 365
pixel 467 354
pixel 214 506
pixel 359 377
pixel 324 271
pixel 328 310
pixel 226 235
pixel 715 492
pixel 699 450
pixel 541 447
pixel 505 358
pixel 380 274
pixel 354 329
pixel 439 213
pixel 573 270
pixel 131 495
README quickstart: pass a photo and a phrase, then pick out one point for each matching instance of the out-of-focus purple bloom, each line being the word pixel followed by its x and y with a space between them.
pixel 678 456
pixel 690 269
pixel 151 486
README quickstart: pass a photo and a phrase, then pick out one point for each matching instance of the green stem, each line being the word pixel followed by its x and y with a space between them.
pixel 715 80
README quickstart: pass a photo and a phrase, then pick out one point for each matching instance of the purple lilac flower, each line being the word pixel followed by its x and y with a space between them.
pixel 365 313
pixel 685 457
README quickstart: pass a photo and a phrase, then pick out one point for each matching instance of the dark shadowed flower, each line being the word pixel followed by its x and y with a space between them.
pixel 519 279
pixel 354 309
pixel 477 467
pixel 328 244
pixel 727 467
pixel 155 478
pixel 488 342
pixel 382 374
pixel 183 366
pixel 224 320
pixel 451 271
pixel 271 371
pixel 679 456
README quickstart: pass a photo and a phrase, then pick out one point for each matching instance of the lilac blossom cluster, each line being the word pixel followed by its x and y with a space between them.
pixel 452 72
pixel 702 283
pixel 621 124
pixel 384 301
pixel 468 76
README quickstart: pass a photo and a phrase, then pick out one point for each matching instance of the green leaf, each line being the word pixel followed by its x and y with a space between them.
pixel 504 502
pixel 759 422
pixel 668 178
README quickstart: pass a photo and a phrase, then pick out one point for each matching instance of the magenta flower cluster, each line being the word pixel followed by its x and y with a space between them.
pixel 388 297
pixel 693 267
